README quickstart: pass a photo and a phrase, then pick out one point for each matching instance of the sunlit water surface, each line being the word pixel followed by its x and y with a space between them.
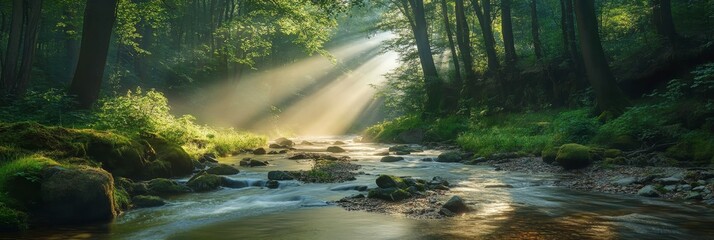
pixel 532 209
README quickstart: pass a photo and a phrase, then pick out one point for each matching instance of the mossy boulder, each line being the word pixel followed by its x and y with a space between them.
pixel 12 220
pixel 695 147
pixel 391 159
pixel 455 205
pixel 389 194
pixel 223 169
pixel 451 156
pixel 573 156
pixel 625 142
pixel 335 149
pixel 144 201
pixel 613 153
pixel 205 182
pixel 77 195
pixel 173 156
pixel 165 187
pixel 549 154
pixel 389 181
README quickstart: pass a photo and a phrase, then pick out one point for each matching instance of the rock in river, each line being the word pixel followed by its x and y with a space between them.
pixel 78 195
pixel 280 175
pixel 223 169
pixel 259 151
pixel 335 149
pixel 391 159
pixel 144 201
pixel 389 181
pixel 455 205
pixel 452 156
pixel 648 191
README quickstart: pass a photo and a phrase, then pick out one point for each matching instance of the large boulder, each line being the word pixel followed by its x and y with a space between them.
pixel 166 187
pixel 260 151
pixel 389 181
pixel 391 159
pixel 249 162
pixel 549 154
pixel 144 201
pixel 455 205
pixel 77 195
pixel 573 156
pixel 335 149
pixel 223 169
pixel 451 156
pixel 280 175
pixel 205 182
pixel 648 191
pixel 175 160
pixel 389 194
pixel 284 142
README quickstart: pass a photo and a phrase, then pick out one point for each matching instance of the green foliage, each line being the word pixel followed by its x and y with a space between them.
pixel 25 169
pixel 388 131
pixel 121 198
pixel 448 128
pixel 12 220
pixel 51 106
pixel 575 126
pixel 694 147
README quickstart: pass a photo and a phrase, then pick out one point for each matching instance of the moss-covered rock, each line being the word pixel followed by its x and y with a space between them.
pixel 144 201
pixel 78 195
pixel 165 187
pixel 573 156
pixel 613 153
pixel 205 182
pixel 548 154
pixel 335 149
pixel 178 161
pixel 695 147
pixel 391 159
pixel 451 156
pixel 223 169
pixel 626 142
pixel 389 194
pixel 12 220
pixel 389 181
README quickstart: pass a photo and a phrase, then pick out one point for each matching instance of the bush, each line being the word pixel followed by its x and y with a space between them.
pixel 388 131
pixel 575 126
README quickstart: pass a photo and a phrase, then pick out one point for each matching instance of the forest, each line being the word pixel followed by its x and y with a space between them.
pixel 384 119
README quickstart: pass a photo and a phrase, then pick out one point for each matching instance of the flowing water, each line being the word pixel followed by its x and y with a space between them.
pixel 532 209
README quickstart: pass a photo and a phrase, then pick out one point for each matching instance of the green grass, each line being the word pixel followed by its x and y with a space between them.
pixel 26 167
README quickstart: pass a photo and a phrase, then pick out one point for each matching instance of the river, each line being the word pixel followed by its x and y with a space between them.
pixel 532 209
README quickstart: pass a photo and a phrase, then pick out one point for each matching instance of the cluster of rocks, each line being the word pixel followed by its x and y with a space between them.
pixel 326 171
pixel 317 156
pixel 691 185
pixel 405 195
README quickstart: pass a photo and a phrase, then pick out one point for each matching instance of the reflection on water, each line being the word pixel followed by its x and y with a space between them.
pixel 531 209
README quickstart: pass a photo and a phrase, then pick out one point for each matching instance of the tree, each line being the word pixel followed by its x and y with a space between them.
pixel 483 13
pixel 663 22
pixel 609 98
pixel 432 83
pixel 99 17
pixel 507 30
pixel 452 47
pixel 463 39
pixel 21 46
pixel 535 31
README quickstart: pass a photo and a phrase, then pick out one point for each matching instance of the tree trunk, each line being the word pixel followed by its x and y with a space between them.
pixel 99 19
pixel 451 97
pixel 452 47
pixel 663 22
pixel 483 13
pixel 507 29
pixel 29 45
pixel 570 32
pixel 9 70
pixel 463 39
pixel 432 83
pixel 535 30
pixel 609 98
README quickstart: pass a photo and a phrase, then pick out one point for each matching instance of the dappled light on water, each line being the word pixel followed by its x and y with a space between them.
pixel 313 96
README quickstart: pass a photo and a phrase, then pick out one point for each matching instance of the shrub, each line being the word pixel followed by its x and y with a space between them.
pixel 575 127
pixel 388 131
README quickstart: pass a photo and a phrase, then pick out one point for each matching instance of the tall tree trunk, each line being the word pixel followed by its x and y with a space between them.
pixel 99 16
pixel 9 70
pixel 463 39
pixel 452 47
pixel 535 31
pixel 570 32
pixel 663 22
pixel 507 29
pixel 451 97
pixel 483 13
pixel 29 45
pixel 609 98
pixel 432 83
pixel 71 48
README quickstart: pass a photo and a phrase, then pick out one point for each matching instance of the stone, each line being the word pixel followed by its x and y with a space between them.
pixel 699 188
pixel 693 196
pixel 77 195
pixel 385 153
pixel 573 156
pixel 248 162
pixel 402 153
pixel 144 201
pixel 451 156
pixel 208 157
pixel 670 188
pixel 284 142
pixel 165 187
pixel 306 143
pixel 648 191
pixel 389 181
pixel 668 181
pixel 684 187
pixel 205 182
pixel 389 194
pixel 338 143
pixel 456 205
pixel 223 169
pixel 280 175
pixel 391 159
pixel 272 184
pixel 284 151
pixel 360 188
pixel 335 149
pixel 259 151
pixel 626 181
pixel 427 160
